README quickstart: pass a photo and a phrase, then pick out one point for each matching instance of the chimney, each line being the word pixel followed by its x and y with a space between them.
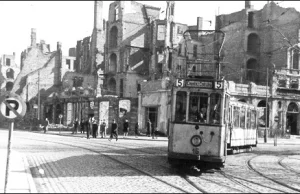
pixel 199 25
pixel 14 53
pixel 58 45
pixel 247 4
pixel 98 19
pixel 33 37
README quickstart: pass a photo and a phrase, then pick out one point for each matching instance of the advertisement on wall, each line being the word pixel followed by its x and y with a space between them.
pixel 103 111
pixel 124 107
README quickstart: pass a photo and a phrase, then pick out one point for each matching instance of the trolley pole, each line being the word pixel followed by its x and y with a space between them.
pixel 8 155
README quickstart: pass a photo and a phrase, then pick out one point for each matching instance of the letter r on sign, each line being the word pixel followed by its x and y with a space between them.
pixel 14 104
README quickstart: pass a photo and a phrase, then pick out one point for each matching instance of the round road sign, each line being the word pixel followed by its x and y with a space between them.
pixel 12 106
pixel 60 116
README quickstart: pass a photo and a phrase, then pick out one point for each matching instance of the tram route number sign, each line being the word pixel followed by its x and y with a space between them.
pixel 12 106
pixel 200 84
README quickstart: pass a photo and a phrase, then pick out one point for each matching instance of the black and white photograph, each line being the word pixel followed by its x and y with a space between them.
pixel 150 97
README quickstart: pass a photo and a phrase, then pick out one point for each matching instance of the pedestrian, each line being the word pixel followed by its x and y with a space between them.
pixel 75 126
pixel 45 125
pixel 103 129
pixel 125 128
pixel 87 128
pixel 94 127
pixel 149 125
pixel 114 130
pixel 91 125
pixel 82 126
pixel 136 130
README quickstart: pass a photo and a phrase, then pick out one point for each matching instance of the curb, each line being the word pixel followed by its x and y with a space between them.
pixel 32 186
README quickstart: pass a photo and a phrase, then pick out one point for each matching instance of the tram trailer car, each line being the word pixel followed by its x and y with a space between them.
pixel 204 125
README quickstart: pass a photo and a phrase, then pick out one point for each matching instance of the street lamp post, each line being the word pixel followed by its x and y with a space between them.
pixel 39 96
pixel 266 114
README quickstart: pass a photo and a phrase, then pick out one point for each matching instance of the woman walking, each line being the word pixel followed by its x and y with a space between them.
pixel 94 127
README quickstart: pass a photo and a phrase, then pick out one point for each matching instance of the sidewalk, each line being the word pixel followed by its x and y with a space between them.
pixel 81 135
pixel 20 179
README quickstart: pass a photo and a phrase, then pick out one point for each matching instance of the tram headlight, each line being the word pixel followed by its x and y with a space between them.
pixel 196 140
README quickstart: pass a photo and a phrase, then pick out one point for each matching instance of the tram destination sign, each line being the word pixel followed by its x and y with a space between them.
pixel 201 84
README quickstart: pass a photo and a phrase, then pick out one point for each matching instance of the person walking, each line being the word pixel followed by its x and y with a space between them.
pixel 90 125
pixel 149 125
pixel 75 126
pixel 114 130
pixel 87 128
pixel 82 126
pixel 45 124
pixel 125 128
pixel 136 130
pixel 103 129
pixel 94 127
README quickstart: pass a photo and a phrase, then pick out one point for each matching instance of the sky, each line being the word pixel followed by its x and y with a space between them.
pixel 70 21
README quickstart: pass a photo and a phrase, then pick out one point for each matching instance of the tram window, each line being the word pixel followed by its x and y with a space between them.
pixel 198 107
pixel 248 119
pixel 180 106
pixel 253 119
pixel 242 118
pixel 215 106
pixel 236 116
pixel 226 109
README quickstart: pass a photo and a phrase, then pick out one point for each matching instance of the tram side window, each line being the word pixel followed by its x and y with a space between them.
pixel 242 117
pixel 180 112
pixel 215 105
pixel 248 119
pixel 253 119
pixel 236 116
pixel 198 107
pixel 226 114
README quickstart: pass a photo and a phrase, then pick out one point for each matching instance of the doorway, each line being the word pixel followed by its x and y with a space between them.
pixel 291 118
pixel 151 113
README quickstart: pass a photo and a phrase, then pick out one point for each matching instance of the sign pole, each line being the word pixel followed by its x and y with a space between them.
pixel 8 154
pixel 59 125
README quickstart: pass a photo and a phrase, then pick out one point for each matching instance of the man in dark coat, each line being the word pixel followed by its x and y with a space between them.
pixel 114 130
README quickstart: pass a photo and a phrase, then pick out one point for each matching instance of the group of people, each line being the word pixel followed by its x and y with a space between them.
pixel 90 126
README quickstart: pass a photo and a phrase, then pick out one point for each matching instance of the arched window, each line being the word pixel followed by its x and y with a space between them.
pixel 293 58
pixel 112 87
pixel 252 73
pixel 10 73
pixel 253 45
pixel 113 62
pixel 263 113
pixel 113 37
pixel 9 86
pixel 293 108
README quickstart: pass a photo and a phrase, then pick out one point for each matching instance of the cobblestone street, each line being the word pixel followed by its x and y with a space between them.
pixel 63 164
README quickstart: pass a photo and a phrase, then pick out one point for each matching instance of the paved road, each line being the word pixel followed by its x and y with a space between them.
pixel 63 164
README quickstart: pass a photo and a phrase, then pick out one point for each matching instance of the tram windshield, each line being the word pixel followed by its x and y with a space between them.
pixel 198 107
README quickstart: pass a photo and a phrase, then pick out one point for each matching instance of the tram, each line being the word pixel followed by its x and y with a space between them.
pixel 205 124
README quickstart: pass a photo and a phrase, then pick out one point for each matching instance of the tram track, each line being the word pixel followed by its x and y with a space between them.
pixel 252 168
pixel 287 167
pixel 123 163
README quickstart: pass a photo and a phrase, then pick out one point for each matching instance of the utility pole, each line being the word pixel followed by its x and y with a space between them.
pixel 39 96
pixel 266 114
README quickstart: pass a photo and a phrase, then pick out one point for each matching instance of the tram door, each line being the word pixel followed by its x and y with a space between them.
pixel 151 113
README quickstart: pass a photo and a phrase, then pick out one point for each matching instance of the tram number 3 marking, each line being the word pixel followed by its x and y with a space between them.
pixel 196 151
pixel 218 85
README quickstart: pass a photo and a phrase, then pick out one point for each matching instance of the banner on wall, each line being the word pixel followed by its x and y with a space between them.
pixel 69 113
pixel 124 107
pixel 104 111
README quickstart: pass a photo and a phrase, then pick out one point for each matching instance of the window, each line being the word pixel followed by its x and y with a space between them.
pixel 198 107
pixel 195 51
pixel 68 62
pixel 236 117
pixel 179 49
pixel 170 61
pixel 7 62
pixel 253 119
pixel 250 19
pixel 121 88
pixel 215 105
pixel 248 118
pixel 113 37
pixel 116 13
pixel 161 32
pixel 160 68
pixel 282 83
pixel 253 45
pixel 180 113
pixel 295 59
pixel 242 117
pixel 10 73
pixel 179 30
pixel 226 109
